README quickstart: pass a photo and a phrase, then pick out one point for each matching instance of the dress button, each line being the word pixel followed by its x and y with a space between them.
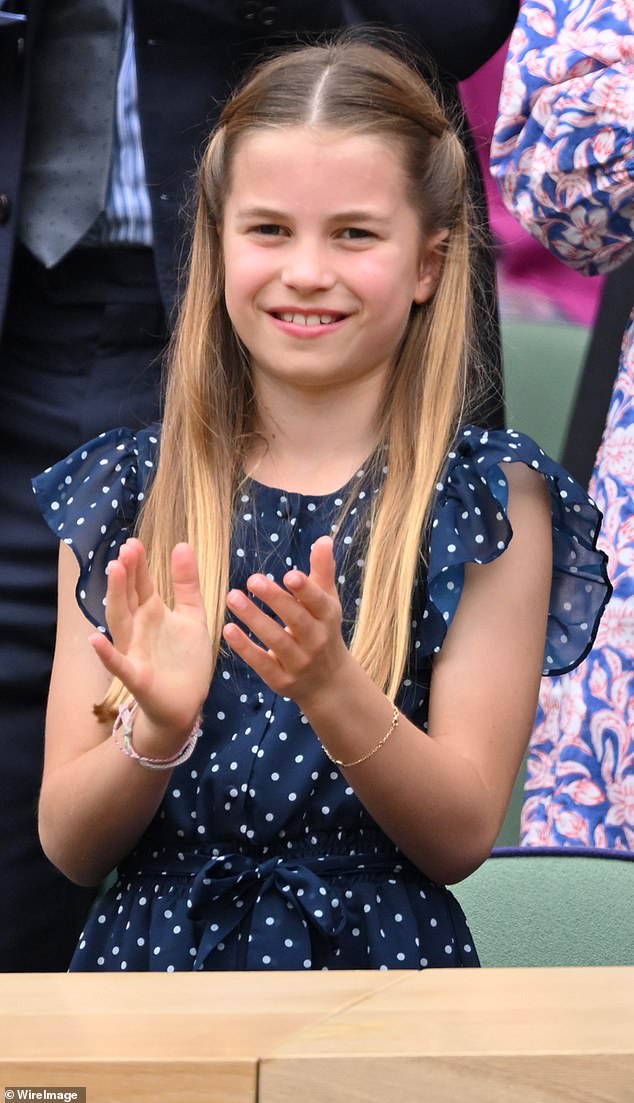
pixel 268 15
pixel 5 208
pixel 284 509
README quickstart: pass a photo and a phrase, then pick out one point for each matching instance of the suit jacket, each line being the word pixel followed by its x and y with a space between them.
pixel 189 55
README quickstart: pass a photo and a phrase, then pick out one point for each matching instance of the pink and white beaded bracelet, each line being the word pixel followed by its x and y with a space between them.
pixel 124 723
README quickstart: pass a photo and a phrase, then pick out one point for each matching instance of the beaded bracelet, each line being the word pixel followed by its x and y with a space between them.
pixel 125 723
pixel 365 757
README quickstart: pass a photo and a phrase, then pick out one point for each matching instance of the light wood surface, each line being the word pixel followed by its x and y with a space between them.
pixel 469 1036
pixel 440 1036
pixel 182 1037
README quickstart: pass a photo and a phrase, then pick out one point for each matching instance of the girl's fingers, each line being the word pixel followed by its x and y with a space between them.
pixel 307 607
pixel 117 604
pixel 143 583
pixel 318 592
pixel 310 597
pixel 302 602
pixel 264 663
pixel 268 631
pixel 129 585
pixel 188 598
pixel 282 602
pixel 310 613
pixel 125 559
pixel 322 564
pixel 114 662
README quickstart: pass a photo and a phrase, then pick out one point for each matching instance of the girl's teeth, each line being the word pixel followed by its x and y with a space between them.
pixel 308 319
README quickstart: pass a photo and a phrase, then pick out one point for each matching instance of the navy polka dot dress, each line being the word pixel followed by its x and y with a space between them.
pixel 261 856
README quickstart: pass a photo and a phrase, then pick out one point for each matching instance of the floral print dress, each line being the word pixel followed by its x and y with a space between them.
pixel 563 153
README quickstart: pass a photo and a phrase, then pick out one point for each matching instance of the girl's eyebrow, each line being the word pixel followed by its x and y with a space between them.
pixel 269 214
pixel 263 213
pixel 362 215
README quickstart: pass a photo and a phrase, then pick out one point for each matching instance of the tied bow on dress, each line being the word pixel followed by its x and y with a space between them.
pixel 228 887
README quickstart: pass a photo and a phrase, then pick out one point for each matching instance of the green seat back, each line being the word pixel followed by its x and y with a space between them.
pixel 546 907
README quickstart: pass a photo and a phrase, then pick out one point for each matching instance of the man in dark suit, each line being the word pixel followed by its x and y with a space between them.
pixel 81 335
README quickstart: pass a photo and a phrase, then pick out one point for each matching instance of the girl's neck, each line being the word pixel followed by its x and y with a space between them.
pixel 312 443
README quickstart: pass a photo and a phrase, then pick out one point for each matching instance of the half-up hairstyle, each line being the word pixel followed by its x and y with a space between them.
pixel 354 87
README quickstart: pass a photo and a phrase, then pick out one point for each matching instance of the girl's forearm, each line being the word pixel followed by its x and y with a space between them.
pixel 94 808
pixel 429 799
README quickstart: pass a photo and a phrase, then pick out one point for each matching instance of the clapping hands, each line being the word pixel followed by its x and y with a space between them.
pixel 163 656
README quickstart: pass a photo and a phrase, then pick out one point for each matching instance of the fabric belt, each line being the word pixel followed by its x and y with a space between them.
pixel 229 887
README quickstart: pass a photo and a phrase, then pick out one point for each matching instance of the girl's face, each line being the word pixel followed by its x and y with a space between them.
pixel 323 256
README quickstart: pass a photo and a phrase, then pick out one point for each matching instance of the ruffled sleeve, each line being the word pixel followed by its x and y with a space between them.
pixel 91 499
pixel 470 525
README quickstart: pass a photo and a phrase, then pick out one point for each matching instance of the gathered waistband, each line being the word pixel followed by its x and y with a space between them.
pixel 224 888
pixel 359 849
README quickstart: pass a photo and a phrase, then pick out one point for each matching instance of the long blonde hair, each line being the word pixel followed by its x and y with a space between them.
pixel 354 86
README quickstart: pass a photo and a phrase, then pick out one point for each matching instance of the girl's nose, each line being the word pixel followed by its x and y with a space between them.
pixel 308 267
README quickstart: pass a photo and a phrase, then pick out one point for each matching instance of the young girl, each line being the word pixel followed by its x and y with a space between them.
pixel 291 785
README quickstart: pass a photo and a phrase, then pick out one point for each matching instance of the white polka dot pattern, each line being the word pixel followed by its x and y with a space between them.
pixel 261 856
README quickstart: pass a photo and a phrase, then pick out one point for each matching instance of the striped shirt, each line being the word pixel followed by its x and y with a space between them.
pixel 127 218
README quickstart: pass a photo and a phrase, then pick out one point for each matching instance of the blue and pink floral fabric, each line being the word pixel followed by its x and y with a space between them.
pixel 563 153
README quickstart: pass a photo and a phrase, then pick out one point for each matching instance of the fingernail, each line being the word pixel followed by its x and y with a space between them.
pixel 237 599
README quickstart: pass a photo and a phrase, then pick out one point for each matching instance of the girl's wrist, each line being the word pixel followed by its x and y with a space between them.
pixel 351 716
pixel 143 740
pixel 364 756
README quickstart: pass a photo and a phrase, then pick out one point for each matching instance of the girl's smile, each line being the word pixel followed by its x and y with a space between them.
pixel 323 255
pixel 306 324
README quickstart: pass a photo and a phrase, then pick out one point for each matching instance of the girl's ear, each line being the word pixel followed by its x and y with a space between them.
pixel 430 266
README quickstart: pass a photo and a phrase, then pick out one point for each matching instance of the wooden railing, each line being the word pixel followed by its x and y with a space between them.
pixel 441 1036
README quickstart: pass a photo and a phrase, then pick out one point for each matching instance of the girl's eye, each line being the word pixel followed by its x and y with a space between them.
pixel 269 229
pixel 356 233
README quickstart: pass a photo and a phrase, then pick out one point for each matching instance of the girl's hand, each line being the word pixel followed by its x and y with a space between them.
pixel 307 649
pixel 163 656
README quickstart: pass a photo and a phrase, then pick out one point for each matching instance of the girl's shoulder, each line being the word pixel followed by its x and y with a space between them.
pixel 470 524
pixel 91 500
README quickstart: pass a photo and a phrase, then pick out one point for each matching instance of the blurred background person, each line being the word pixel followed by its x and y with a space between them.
pixel 563 154
pixel 547 311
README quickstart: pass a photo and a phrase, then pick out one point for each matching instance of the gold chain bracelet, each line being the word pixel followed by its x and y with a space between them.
pixel 365 757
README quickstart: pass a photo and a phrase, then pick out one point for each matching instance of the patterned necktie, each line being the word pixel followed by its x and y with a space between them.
pixel 70 124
